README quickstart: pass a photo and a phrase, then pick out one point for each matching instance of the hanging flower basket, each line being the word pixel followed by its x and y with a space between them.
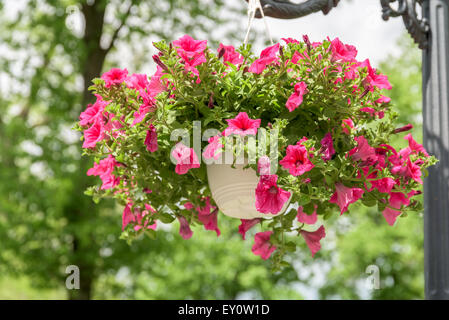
pixel 278 140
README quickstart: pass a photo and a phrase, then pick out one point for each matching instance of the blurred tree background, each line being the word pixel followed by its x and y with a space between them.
pixel 49 52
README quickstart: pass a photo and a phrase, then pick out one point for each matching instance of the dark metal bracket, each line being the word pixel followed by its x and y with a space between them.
pixel 417 27
pixel 284 9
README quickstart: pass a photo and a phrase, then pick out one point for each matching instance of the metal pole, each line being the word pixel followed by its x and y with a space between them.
pixel 436 141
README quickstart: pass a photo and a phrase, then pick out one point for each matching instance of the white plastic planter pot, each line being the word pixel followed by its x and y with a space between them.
pixel 234 191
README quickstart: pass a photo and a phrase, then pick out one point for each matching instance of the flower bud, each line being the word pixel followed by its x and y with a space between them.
pixel 211 101
pixel 403 129
pixel 221 53
pixel 159 62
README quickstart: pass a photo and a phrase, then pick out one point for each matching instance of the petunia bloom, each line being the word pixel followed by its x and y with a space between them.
pixel 214 149
pixel 267 56
pixel 269 197
pixel 414 146
pixel 192 52
pixel 94 134
pixel 262 246
pixel 313 239
pixel 264 165
pixel 127 216
pixel 184 228
pixel 246 225
pixel 342 52
pixel 189 47
pixel 327 147
pixel 307 218
pixel 344 196
pixel 230 55
pixel 373 79
pixel 413 171
pixel 114 76
pixel 296 161
pixel 147 106
pixel 138 82
pixel 396 200
pixel 185 157
pixel 104 170
pixel 347 125
pixel 140 215
pixel 93 112
pixel 156 84
pixel 363 151
pixel 384 185
pixel 242 125
pixel 296 97
pixel 151 139
pixel 208 216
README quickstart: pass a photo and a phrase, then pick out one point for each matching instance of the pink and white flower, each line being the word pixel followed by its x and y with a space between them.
pixel 185 157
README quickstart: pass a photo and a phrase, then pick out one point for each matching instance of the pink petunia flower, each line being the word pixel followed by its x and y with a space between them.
pixel 413 171
pixel 383 99
pixel 262 246
pixel 397 199
pixel 94 134
pixel 347 125
pixel 384 185
pixel 140 215
pixel 189 47
pixel 214 148
pixel 114 76
pixel 156 85
pixel 185 157
pixel 269 197
pixel 267 56
pixel 264 165
pixel 363 151
pixel 184 228
pixel 151 139
pixel 127 216
pixel 296 161
pixel 138 82
pixel 230 55
pixel 313 239
pixel 373 79
pixel 192 52
pixel 147 106
pixel 414 146
pixel 208 216
pixel 296 57
pixel 246 225
pixel 307 218
pixel 296 97
pixel 327 147
pixel 93 112
pixel 242 125
pixel 290 40
pixel 104 170
pixel 344 196
pixel 342 52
